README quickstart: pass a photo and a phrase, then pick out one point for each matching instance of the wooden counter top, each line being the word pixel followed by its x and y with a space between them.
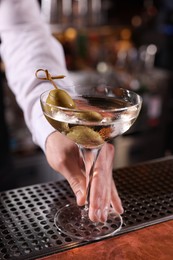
pixel 150 243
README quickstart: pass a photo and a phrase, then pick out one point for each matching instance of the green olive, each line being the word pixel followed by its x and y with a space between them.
pixel 59 97
pixel 85 136
pixel 64 99
pixel 52 98
pixel 90 116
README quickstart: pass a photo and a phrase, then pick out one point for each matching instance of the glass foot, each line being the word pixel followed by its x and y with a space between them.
pixel 70 221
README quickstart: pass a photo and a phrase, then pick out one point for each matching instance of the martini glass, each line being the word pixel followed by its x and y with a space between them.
pixel 96 119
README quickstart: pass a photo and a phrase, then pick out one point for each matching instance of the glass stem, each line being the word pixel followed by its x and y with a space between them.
pixel 89 157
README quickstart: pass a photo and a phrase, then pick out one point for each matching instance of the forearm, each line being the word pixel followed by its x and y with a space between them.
pixel 28 45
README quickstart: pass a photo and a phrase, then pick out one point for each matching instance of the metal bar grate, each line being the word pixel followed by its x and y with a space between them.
pixel 27 230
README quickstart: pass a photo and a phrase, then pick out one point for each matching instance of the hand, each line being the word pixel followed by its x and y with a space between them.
pixel 63 156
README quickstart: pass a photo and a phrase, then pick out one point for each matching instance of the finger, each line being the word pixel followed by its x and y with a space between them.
pixel 100 196
pixel 73 172
pixel 115 199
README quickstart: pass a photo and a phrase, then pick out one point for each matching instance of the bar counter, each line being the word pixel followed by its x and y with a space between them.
pixel 151 243
pixel 27 230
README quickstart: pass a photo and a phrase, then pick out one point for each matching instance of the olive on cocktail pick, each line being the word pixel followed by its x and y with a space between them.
pixel 59 97
pixel 56 97
pixel 52 98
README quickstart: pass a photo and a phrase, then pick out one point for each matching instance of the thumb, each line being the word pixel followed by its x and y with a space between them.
pixel 76 177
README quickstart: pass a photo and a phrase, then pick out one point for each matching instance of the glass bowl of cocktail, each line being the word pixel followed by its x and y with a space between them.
pixel 89 121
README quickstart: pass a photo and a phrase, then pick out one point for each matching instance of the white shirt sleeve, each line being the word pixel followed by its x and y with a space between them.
pixel 27 45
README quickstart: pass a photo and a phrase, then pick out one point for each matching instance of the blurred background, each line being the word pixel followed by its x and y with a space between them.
pixel 116 43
